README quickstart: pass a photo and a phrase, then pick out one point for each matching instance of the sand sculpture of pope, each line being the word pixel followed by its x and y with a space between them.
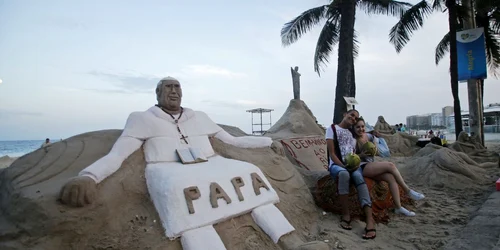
pixel 190 198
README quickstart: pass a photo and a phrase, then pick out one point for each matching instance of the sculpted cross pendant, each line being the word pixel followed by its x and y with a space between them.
pixel 184 138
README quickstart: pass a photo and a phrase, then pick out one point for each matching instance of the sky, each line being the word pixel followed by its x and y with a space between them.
pixel 70 67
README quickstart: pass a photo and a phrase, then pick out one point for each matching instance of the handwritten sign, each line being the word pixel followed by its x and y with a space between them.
pixel 307 152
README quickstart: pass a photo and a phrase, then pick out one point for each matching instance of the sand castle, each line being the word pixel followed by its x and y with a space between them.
pixel 5 161
pixel 125 216
pixel 186 200
pixel 383 127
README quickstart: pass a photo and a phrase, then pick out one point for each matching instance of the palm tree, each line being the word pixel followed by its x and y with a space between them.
pixel 339 17
pixel 487 16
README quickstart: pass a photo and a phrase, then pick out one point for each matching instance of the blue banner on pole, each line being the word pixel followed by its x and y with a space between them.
pixel 471 54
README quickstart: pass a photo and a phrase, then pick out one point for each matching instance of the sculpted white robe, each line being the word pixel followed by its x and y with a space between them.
pixel 167 177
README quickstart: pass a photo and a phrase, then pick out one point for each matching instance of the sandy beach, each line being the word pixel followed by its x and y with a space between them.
pixel 456 180
pixel 440 218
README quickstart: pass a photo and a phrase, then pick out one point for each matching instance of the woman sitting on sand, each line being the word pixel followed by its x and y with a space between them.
pixel 340 142
pixel 382 171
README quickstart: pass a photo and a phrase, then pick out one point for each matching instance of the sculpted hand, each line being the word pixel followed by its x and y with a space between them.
pixel 79 191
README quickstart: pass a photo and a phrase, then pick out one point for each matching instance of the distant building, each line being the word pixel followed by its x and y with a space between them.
pixel 418 122
pixel 447 111
pixel 491 119
pixel 436 120
pixel 425 122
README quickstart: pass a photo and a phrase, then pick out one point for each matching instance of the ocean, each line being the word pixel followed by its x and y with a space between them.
pixel 19 148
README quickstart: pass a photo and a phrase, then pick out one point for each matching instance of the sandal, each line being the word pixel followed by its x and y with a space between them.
pixel 345 224
pixel 370 230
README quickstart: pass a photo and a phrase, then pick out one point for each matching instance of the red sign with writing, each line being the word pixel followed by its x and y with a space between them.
pixel 307 152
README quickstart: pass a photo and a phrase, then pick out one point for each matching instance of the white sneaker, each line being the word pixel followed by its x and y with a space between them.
pixel 414 195
pixel 404 211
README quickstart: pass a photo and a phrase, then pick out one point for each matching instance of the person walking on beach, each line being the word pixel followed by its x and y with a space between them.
pixel 340 142
pixel 382 171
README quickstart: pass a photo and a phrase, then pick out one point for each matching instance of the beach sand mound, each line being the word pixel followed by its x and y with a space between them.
pixel 401 144
pixel 475 150
pixel 442 168
pixel 123 216
pixel 5 161
pixel 297 121
pixel 303 141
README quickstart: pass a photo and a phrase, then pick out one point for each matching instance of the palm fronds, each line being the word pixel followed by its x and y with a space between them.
pixel 410 21
pixel 328 38
pixel 294 29
pixel 442 48
pixel 384 7
pixel 492 51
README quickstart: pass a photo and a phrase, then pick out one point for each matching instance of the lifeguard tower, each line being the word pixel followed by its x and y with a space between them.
pixel 260 111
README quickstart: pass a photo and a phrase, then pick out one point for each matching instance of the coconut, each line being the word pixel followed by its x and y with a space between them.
pixel 352 162
pixel 369 149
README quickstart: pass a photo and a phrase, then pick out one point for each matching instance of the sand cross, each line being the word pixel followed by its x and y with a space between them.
pixel 184 138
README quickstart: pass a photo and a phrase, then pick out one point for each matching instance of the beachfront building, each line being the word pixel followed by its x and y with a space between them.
pixel 417 122
pixel 491 119
pixel 447 111
pixel 425 122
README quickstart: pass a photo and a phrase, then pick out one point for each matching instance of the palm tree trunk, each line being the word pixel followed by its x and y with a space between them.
pixel 452 22
pixel 482 111
pixel 345 67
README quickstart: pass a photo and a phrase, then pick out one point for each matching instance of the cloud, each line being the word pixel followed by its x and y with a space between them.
pixel 127 83
pixel 63 22
pixel 111 91
pixel 236 104
pixel 209 70
pixel 7 113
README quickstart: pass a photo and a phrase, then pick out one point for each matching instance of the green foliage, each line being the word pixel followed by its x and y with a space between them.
pixel 330 33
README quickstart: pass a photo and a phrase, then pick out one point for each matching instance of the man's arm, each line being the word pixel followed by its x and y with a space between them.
pixel 244 141
pixel 111 162
pixel 82 190
pixel 130 140
pixel 331 148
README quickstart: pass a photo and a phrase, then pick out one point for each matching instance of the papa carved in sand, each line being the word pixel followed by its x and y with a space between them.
pixel 190 198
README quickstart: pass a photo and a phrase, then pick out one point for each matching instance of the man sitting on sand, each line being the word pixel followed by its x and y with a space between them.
pixel 190 198
pixel 46 143
pixel 340 142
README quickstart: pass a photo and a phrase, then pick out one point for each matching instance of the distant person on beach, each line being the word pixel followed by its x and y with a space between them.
pixel 340 142
pixel 402 128
pixel 382 171
pixel 436 140
pixel 431 134
pixel 398 128
pixel 46 143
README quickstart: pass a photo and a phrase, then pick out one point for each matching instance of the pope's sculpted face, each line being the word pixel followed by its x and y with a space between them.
pixel 169 95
